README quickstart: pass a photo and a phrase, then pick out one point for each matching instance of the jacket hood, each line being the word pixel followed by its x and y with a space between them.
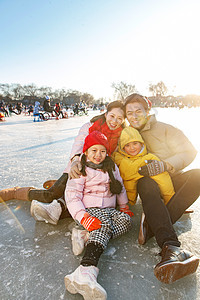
pixel 37 103
pixel 128 135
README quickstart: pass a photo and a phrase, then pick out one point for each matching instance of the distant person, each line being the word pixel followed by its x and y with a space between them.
pixel 82 107
pixel 19 107
pixel 11 110
pixel 2 117
pixel 30 109
pixel 91 200
pixel 76 109
pixel 47 106
pixel 37 110
pixel 4 109
pixel 58 109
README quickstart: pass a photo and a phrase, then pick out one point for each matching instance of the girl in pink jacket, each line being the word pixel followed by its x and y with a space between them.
pixel 91 200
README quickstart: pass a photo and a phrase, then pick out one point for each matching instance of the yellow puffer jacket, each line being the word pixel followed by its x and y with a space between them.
pixel 129 166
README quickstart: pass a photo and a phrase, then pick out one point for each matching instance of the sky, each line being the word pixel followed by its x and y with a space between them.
pixel 86 45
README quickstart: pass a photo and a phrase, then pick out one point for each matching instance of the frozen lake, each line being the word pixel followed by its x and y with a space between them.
pixel 35 257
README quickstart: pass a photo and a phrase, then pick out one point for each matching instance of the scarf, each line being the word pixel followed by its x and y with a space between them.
pixel 93 165
pixel 112 135
pixel 106 166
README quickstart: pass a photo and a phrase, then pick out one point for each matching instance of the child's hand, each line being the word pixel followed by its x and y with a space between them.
pixel 90 223
pixel 126 210
pixel 153 167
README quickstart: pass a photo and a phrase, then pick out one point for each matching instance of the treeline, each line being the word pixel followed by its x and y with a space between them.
pixel 28 94
pixel 159 95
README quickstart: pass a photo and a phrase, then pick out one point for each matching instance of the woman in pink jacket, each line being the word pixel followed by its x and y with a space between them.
pixel 91 200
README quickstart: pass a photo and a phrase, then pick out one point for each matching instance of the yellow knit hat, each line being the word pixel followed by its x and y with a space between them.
pixel 128 135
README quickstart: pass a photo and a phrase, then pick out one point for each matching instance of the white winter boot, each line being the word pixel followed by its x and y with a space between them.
pixel 79 238
pixel 48 212
pixel 84 281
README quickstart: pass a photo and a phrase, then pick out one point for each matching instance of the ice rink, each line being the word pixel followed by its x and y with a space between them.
pixel 35 256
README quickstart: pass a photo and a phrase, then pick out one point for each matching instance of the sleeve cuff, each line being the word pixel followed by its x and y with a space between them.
pixel 79 216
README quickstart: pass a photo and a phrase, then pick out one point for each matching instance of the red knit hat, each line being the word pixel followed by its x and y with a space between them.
pixel 95 138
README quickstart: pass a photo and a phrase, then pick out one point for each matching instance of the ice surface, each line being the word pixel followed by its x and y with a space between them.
pixel 35 256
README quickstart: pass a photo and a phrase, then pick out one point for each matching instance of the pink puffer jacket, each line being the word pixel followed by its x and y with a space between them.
pixel 92 191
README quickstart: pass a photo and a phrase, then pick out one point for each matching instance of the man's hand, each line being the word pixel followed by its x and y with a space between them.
pixel 153 167
pixel 75 170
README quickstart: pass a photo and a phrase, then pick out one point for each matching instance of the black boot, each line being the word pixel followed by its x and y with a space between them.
pixel 41 195
pixel 175 264
pixel 55 192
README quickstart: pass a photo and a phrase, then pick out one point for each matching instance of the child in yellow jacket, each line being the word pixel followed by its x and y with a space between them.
pixel 130 157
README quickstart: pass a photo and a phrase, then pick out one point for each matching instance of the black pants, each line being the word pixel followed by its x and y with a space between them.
pixel 187 187
pixel 160 217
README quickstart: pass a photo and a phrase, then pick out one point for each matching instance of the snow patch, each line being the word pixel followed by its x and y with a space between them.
pixel 110 251
pixel 67 233
pixel 10 222
pixel 52 232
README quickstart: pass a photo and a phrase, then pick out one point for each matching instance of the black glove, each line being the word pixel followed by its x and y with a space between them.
pixel 153 167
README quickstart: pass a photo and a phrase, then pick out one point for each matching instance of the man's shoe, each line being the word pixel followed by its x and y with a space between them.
pixel 175 264
pixel 144 233
pixel 79 238
pixel 84 281
pixel 48 212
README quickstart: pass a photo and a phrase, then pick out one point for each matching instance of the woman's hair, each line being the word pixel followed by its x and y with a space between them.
pixel 110 106
pixel 108 166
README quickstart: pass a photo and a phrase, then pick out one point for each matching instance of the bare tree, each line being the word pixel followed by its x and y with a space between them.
pixel 31 90
pixel 31 93
pixel 152 89
pixel 158 90
pixel 43 91
pixel 5 89
pixel 60 94
pixel 87 98
pixel 72 97
pixel 123 89
pixel 17 91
